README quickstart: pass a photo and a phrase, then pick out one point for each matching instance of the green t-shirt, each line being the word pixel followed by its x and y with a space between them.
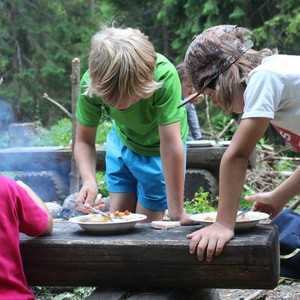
pixel 137 126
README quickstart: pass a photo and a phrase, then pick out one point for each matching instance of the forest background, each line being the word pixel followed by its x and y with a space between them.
pixel 40 38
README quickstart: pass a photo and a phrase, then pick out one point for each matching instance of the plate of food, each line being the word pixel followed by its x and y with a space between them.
pixel 224 143
pixel 201 143
pixel 97 223
pixel 249 220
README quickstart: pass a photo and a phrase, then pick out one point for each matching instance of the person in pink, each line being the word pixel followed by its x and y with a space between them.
pixel 21 211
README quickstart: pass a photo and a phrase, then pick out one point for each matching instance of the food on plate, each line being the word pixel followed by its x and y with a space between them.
pixel 242 218
pixel 121 213
pixel 93 217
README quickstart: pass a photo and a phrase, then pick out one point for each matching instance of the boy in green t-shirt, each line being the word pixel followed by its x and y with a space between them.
pixel 145 150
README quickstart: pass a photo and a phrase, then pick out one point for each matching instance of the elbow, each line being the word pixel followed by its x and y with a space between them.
pixel 234 158
pixel 49 227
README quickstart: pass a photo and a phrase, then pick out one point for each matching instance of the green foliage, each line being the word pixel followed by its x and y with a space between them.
pixel 200 203
pixel 60 134
pixel 45 293
pixel 102 131
pixel 102 187
pixel 39 39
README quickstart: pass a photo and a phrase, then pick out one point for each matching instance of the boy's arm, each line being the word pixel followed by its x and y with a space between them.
pixel 172 158
pixel 211 239
pixel 41 204
pixel 85 155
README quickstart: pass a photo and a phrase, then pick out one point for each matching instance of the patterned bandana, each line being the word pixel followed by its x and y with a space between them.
pixel 212 52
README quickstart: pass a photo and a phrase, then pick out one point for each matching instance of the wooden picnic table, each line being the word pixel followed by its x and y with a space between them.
pixel 147 257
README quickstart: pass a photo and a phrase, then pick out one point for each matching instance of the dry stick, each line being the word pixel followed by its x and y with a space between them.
pixel 75 81
pixel 208 118
pixel 1 80
pixel 46 97
pixel 259 293
pixel 295 204
pixel 231 122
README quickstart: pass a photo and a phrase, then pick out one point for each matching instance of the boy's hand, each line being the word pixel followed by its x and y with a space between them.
pixel 266 202
pixel 185 220
pixel 197 99
pixel 209 240
pixel 87 195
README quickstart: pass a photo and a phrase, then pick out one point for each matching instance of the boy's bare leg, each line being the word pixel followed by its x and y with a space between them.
pixel 122 202
pixel 152 215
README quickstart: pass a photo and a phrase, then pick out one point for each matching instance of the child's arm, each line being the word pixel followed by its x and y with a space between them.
pixel 40 203
pixel 85 154
pixel 273 202
pixel 172 157
pixel 232 176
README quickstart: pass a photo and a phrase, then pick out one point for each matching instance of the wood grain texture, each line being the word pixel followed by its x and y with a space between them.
pixel 148 257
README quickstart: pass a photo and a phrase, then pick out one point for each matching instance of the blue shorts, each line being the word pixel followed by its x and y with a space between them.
pixel 128 171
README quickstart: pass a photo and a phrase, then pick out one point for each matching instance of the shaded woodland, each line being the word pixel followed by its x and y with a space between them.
pixel 40 38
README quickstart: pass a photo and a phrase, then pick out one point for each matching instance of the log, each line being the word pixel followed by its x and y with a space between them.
pixel 146 257
pixel 75 80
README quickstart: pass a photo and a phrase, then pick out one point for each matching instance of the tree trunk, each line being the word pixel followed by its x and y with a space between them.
pixel 75 80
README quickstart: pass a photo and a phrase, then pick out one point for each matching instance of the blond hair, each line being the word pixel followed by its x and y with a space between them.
pixel 122 64
pixel 232 81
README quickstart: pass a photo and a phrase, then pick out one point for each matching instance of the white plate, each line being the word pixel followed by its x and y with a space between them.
pixel 92 222
pixel 252 217
pixel 224 143
pixel 201 143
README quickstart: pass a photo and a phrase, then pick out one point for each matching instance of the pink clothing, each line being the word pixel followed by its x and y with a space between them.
pixel 18 213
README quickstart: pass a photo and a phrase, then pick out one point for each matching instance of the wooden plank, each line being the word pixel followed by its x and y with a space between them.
pixel 49 158
pixel 149 257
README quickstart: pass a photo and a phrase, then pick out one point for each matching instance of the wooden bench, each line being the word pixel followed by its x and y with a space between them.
pixel 148 258
pixel 54 164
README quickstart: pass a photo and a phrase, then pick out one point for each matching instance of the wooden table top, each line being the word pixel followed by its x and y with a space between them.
pixel 148 257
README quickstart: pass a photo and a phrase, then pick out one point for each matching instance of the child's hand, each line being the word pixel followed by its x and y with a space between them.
pixel 209 240
pixel 265 202
pixel 185 220
pixel 197 99
pixel 87 195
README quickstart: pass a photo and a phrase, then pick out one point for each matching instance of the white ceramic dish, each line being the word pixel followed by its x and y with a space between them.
pixel 251 219
pixel 93 223
pixel 224 143
pixel 201 143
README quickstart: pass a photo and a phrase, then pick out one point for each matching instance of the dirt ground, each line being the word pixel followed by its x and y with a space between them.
pixel 286 289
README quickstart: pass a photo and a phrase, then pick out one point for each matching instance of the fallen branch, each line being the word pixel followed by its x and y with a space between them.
pixel 46 97
pixel 231 122
pixel 259 293
pixel 208 118
pixel 295 204
pixel 277 173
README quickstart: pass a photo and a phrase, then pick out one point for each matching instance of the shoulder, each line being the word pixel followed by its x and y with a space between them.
pixel 279 65
pixel 85 77
pixel 164 68
pixel 7 184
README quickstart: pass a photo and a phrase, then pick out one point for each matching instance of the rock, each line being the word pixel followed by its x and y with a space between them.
pixel 69 211
pixel 54 209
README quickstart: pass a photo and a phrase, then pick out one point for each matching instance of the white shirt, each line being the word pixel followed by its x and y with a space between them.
pixel 273 91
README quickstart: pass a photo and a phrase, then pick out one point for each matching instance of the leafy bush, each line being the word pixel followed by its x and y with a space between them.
pixel 60 134
pixel 102 187
pixel 200 203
